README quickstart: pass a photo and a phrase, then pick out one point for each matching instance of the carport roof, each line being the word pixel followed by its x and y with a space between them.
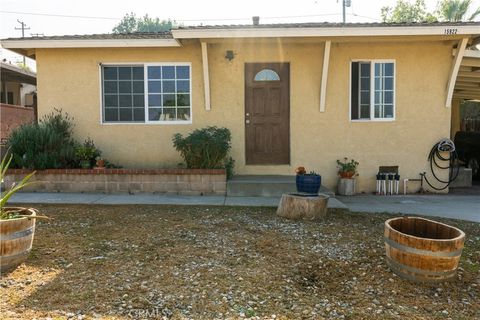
pixel 11 73
pixel 467 86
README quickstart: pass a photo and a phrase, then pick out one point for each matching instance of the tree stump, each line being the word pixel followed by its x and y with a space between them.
pixel 303 206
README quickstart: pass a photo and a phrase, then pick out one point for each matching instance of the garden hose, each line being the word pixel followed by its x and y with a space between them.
pixel 444 145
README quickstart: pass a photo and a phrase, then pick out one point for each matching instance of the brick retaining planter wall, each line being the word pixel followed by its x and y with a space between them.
pixel 173 181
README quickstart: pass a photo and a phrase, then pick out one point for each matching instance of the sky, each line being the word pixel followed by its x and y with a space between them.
pixel 62 17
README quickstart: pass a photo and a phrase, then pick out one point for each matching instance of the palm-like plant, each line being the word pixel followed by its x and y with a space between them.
pixel 5 195
pixel 457 10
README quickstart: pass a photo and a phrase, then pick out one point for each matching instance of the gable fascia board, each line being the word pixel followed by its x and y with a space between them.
pixel 324 32
pixel 88 43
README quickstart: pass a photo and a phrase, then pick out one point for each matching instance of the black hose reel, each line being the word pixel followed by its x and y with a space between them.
pixel 438 160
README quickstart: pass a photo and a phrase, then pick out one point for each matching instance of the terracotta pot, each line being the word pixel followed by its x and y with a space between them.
pixel 347 174
pixel 100 163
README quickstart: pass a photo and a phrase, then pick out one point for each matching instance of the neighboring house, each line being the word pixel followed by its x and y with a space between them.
pixel 17 98
pixel 291 94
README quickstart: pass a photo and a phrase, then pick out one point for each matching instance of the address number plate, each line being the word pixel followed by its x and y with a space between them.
pixel 451 31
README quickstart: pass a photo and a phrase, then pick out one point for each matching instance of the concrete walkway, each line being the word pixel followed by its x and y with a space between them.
pixel 447 206
pixel 144 198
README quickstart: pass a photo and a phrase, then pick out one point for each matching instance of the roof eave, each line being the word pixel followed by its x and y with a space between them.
pixel 453 30
pixel 26 44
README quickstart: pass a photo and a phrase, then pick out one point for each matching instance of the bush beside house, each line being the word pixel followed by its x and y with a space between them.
pixel 49 147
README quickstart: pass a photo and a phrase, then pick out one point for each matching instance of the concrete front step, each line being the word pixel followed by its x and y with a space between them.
pixel 264 186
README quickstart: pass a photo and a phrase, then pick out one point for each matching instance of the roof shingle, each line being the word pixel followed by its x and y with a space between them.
pixel 104 36
pixel 168 34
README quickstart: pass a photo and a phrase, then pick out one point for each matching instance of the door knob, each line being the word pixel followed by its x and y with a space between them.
pixel 248 114
pixel 247 121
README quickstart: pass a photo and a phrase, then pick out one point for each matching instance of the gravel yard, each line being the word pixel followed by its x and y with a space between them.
pixel 175 262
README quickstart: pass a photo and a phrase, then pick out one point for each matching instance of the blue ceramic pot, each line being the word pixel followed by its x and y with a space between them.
pixel 308 183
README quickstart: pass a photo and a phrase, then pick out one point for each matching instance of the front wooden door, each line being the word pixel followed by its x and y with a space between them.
pixel 267 113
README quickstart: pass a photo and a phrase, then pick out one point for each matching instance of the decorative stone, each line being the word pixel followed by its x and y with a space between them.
pixel 303 206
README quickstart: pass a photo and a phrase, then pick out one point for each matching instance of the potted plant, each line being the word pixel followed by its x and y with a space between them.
pixel 17 225
pixel 347 170
pixel 86 153
pixel 307 182
pixel 100 162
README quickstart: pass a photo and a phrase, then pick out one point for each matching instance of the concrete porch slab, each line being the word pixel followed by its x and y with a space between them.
pixel 264 186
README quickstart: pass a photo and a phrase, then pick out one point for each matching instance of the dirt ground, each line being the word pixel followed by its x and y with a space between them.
pixel 175 262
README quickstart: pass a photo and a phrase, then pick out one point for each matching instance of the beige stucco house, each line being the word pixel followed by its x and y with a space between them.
pixel 291 94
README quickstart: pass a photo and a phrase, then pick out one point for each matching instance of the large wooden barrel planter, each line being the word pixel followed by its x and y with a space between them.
pixel 16 238
pixel 423 250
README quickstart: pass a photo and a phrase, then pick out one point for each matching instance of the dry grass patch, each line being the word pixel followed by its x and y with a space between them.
pixel 178 262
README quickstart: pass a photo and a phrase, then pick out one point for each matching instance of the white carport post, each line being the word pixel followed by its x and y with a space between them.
pixel 206 75
pixel 323 85
pixel 454 71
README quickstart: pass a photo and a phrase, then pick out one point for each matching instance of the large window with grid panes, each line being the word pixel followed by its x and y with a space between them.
pixel 372 95
pixel 147 93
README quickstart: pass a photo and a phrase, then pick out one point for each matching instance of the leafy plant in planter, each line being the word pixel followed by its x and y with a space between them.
pixel 206 148
pixel 307 182
pixel 347 169
pixel 87 153
pixel 17 225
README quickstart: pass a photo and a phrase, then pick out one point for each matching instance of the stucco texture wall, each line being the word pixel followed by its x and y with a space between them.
pixel 70 79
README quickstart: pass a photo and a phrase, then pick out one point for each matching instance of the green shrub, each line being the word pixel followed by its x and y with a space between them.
pixel 46 145
pixel 205 148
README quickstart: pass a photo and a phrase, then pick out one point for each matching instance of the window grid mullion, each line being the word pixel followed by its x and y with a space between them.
pixel 162 111
pixel 372 90
pixel 176 93
pixel 145 93
pixel 382 92
pixel 118 93
pixel 359 111
pixel 131 92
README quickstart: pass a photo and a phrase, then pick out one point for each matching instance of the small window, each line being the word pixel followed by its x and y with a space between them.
pixel 267 75
pixel 153 93
pixel 372 90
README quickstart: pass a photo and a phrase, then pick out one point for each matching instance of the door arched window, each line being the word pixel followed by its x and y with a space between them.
pixel 267 75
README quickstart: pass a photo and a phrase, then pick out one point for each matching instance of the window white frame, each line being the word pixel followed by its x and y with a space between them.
pixel 372 90
pixel 145 79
